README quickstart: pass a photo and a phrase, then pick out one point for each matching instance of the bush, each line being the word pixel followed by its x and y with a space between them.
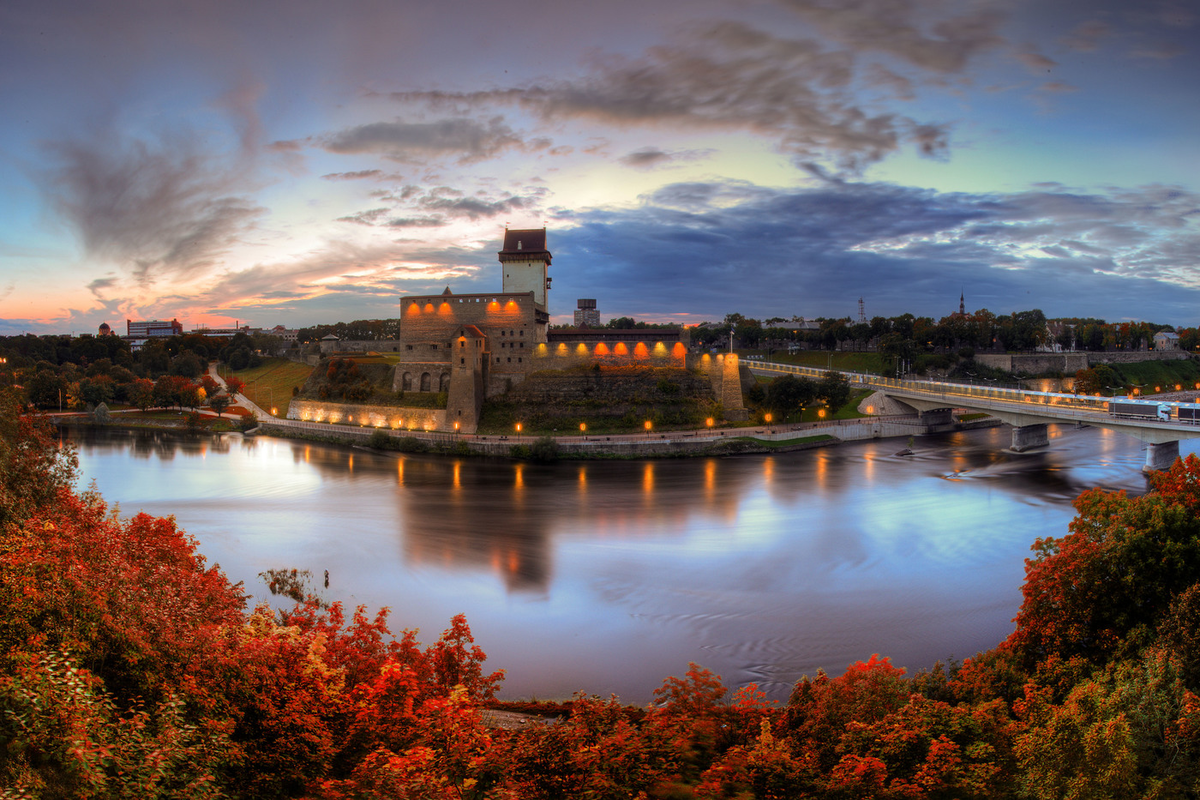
pixel 544 450
pixel 381 440
pixel 247 423
pixel 411 444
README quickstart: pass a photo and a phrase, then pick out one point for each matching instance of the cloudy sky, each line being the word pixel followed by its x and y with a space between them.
pixel 305 162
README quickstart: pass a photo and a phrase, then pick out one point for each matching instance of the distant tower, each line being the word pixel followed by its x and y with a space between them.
pixel 862 311
pixel 962 303
pixel 105 329
pixel 526 264
pixel 586 316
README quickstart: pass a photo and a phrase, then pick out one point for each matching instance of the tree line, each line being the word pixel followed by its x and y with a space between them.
pixel 906 336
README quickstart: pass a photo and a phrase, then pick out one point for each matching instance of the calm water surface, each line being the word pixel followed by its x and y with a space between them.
pixel 609 576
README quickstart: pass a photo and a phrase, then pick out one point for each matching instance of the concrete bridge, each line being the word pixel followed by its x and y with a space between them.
pixel 1027 411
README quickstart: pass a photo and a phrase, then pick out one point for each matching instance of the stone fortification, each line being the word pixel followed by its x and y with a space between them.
pixel 398 417
pixel 1069 363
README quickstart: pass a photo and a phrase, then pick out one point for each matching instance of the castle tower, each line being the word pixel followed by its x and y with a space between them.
pixel 526 264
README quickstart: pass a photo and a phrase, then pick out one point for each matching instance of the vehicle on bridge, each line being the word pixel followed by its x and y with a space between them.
pixel 1142 409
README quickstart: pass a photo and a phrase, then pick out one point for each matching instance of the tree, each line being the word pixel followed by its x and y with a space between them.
pixel 1107 584
pixel 33 468
pixel 788 394
pixel 219 403
pixel 834 389
pixel 141 393
pixel 234 385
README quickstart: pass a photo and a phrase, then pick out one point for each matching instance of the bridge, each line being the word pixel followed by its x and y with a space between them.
pixel 1027 411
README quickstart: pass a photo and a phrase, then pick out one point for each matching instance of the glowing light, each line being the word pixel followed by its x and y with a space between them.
pixel 583 427
pixel 561 350
pixel 274 411
pixel 540 349
pixel 602 349
pixel 428 308
pixel 709 422
pixel 660 349
pixel 678 351
pixel 767 418
pixel 518 427
pixel 457 475
pixel 640 351
pixel 821 413
pixel 648 478
pixel 414 308
pixel 620 349
pixel 581 349
pixel 870 409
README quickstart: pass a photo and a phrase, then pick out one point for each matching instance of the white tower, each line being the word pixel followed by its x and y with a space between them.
pixel 526 264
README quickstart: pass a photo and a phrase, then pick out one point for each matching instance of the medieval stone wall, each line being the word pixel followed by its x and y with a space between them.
pixel 398 417
pixel 1069 363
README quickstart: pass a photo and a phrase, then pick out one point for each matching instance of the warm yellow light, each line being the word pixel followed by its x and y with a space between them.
pixel 602 349
pixel 648 425
pixel 274 412
pixel 821 413
pixel 621 350
pixel 870 409
pixel 709 422
pixel 1178 387
pixel 582 427
pixel 456 427
pixel 767 417
pixel 518 427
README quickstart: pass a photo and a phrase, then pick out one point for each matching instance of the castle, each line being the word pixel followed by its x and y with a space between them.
pixel 475 346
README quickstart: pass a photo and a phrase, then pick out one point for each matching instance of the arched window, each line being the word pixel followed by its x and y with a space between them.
pixel 444 382
pixel 406 382
pixel 425 381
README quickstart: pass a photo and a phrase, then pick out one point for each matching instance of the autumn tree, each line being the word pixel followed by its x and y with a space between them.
pixel 33 467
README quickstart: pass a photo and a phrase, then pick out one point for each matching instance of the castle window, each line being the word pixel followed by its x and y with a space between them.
pixel 408 347
pixel 518 361
pixel 522 344
pixel 510 360
pixel 462 361
pixel 501 333
pixel 522 331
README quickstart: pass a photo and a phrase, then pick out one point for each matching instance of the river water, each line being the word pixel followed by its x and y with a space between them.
pixel 607 577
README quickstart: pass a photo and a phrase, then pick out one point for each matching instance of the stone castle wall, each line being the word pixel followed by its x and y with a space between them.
pixel 398 417
pixel 1070 363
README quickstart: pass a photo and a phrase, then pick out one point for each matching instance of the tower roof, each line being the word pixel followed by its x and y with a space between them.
pixel 525 245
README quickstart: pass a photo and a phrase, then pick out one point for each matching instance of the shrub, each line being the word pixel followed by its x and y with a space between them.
pixel 381 440
pixel 544 450
pixel 411 444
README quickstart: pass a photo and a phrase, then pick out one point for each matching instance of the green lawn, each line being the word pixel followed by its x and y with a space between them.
pixel 270 384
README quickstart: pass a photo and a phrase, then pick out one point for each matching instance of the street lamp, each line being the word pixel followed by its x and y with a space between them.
pixel 767 419
pixel 583 430
pixel 649 425
pixel 518 431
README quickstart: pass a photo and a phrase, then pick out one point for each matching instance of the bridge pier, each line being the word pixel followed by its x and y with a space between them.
pixel 1026 437
pixel 1160 456
pixel 938 416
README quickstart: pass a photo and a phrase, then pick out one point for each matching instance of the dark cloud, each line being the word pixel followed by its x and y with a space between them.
pixel 416 222
pixel 729 75
pixel 161 209
pixel 466 139
pixel 709 249
pixel 912 32
pixel 353 176
pixel 652 157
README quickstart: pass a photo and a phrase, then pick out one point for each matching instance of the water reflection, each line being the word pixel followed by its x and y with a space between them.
pixel 608 576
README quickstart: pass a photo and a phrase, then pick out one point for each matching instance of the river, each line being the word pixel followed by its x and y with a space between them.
pixel 607 577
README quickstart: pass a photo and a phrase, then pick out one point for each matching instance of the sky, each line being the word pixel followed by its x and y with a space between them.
pixel 303 162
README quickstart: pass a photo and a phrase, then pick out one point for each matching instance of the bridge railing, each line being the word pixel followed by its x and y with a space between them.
pixel 948 389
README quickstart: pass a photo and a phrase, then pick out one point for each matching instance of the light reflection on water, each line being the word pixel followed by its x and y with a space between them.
pixel 609 576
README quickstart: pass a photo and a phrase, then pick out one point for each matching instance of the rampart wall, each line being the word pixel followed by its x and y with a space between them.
pixel 398 417
pixel 1070 363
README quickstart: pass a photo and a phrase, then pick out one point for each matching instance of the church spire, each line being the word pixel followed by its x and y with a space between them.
pixel 962 302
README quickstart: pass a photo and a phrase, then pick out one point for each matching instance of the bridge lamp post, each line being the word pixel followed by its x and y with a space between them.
pixel 583 430
pixel 767 419
pixel 649 426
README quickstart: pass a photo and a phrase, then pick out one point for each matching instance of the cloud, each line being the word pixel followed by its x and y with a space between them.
pixel 353 176
pixel 729 75
pixel 468 139
pixel 1086 36
pixel 160 209
pixel 1035 62
pixel 712 248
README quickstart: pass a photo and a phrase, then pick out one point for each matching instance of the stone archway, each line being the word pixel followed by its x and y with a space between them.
pixel 444 382
pixel 426 381
pixel 406 382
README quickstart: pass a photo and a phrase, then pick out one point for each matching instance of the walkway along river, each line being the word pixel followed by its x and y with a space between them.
pixel 608 576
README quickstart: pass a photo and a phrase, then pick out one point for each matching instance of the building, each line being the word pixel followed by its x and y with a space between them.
pixel 152 329
pixel 1166 340
pixel 586 315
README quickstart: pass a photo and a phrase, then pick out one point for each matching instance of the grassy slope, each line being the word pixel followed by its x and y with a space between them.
pixel 271 382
